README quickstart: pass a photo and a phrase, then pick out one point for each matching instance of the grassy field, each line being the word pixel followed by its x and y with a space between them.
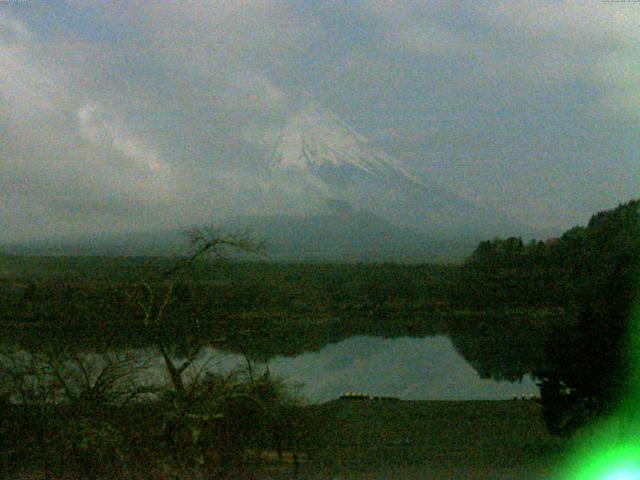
pixel 430 439
pixel 388 440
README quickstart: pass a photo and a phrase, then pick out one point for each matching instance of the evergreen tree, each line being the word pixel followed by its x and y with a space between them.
pixel 589 368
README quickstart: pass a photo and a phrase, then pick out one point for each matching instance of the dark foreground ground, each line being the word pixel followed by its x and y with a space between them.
pixel 437 440
pixel 367 439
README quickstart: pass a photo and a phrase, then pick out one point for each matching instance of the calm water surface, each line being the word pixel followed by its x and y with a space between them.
pixel 409 368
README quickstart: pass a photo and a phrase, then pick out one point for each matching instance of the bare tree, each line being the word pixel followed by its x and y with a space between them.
pixel 63 402
pixel 154 297
pixel 192 399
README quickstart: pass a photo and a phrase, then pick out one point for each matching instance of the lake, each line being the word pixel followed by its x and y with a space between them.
pixel 409 368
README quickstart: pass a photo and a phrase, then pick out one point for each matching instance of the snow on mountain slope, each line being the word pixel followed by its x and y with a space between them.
pixel 319 157
pixel 314 140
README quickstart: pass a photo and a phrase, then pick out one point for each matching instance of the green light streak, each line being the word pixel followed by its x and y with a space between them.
pixel 623 474
pixel 610 450
pixel 613 463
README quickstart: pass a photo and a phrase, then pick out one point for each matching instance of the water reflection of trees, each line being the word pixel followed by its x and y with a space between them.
pixel 498 344
pixel 505 345
pixel 260 338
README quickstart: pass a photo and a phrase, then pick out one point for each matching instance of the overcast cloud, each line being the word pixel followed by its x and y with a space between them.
pixel 136 114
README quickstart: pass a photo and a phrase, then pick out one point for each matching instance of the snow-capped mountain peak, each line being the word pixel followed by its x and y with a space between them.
pixel 314 138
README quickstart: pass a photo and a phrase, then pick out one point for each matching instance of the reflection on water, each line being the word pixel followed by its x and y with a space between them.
pixel 409 368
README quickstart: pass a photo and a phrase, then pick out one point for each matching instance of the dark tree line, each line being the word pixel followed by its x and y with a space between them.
pixel 592 272
pixel 590 367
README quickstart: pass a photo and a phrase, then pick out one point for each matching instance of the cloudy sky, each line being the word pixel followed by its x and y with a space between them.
pixel 137 114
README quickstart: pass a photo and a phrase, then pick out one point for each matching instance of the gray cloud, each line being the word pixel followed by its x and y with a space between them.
pixel 527 108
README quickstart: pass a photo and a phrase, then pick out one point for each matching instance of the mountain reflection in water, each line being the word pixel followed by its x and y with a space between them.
pixel 409 368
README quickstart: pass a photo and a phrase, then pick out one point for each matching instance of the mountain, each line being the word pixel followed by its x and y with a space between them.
pixel 335 233
pixel 340 233
pixel 130 244
pixel 323 191
pixel 328 159
pixel 317 142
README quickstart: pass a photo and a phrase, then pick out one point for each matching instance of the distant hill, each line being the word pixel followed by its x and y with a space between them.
pixel 338 234
pixel 350 235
